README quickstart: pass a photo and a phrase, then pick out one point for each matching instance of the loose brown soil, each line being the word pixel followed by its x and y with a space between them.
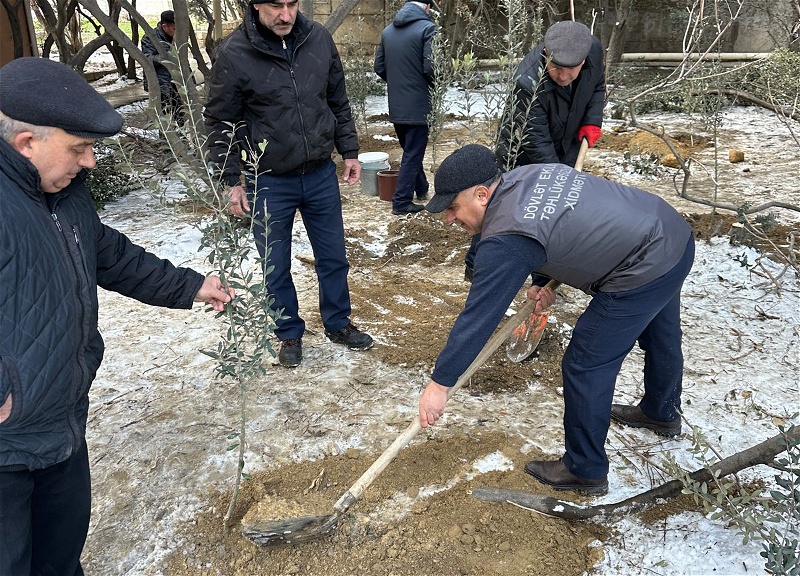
pixel 399 527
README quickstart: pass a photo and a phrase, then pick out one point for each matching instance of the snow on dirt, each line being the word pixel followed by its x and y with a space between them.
pixel 159 420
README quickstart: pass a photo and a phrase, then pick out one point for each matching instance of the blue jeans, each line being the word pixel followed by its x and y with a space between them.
pixel 413 141
pixel 604 334
pixel 316 196
pixel 44 518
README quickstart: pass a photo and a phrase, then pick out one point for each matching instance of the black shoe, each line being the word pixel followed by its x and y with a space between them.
pixel 634 417
pixel 422 197
pixel 351 337
pixel 291 353
pixel 468 272
pixel 409 208
pixel 554 473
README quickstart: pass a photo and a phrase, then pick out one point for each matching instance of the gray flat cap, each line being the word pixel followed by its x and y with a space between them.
pixel 568 43
pixel 468 166
pixel 47 93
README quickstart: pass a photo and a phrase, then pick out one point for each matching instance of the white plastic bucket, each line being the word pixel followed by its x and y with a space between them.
pixel 371 164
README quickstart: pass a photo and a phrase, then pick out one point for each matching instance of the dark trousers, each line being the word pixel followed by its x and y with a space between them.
pixel 604 334
pixel 44 518
pixel 413 141
pixel 316 196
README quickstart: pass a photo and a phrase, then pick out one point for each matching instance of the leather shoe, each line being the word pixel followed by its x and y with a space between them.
pixel 554 473
pixel 634 417
pixel 409 208
pixel 351 337
pixel 291 353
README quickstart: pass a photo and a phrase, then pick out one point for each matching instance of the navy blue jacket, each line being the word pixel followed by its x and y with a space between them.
pixel 54 253
pixel 404 62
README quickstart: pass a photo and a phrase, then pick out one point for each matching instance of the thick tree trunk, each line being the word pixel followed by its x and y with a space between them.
pixel 763 453
pixel 619 31
pixel 339 14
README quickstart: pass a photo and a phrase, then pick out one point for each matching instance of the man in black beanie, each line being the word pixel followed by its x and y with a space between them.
pixel 558 101
pixel 279 80
pixel 627 248
pixel 54 253
pixel 171 103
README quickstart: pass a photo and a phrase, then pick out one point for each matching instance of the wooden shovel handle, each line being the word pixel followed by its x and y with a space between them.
pixel 357 489
pixel 582 154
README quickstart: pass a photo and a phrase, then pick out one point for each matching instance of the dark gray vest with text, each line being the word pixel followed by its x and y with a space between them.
pixel 598 235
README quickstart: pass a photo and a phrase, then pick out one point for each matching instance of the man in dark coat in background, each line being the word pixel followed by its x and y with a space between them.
pixel 404 62
pixel 558 100
pixel 279 79
pixel 170 98
pixel 54 253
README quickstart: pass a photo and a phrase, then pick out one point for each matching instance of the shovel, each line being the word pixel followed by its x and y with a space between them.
pixel 525 337
pixel 306 528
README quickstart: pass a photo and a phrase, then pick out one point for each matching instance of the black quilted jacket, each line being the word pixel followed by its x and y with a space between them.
pixel 54 252
pixel 295 100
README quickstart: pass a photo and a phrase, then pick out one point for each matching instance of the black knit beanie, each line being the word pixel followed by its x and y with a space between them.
pixel 47 93
pixel 466 167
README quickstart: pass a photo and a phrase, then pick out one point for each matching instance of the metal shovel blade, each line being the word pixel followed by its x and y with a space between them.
pixel 526 337
pixel 291 530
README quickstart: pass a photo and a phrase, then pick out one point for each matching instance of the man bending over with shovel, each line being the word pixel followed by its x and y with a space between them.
pixel 627 248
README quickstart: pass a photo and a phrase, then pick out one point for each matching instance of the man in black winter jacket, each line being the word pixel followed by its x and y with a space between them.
pixel 170 99
pixel 54 253
pixel 558 101
pixel 404 61
pixel 279 80
pixel 628 249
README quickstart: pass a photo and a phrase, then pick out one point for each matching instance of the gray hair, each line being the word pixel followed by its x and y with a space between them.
pixel 10 128
pixel 422 5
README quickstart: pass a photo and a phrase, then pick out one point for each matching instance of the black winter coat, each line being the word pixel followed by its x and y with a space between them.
pixel 149 50
pixel 551 120
pixel 296 101
pixel 54 253
pixel 404 62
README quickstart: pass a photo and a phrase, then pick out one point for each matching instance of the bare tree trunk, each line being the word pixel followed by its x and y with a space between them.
pixel 307 8
pixel 74 31
pixel 762 453
pixel 616 41
pixel 79 60
pixel 339 14
pixel 183 29
pixel 54 31
pixel 135 40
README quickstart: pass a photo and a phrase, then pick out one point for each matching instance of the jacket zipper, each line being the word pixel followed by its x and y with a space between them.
pixel 297 98
pixel 71 423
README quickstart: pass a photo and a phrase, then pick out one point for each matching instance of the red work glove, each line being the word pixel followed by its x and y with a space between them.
pixel 590 132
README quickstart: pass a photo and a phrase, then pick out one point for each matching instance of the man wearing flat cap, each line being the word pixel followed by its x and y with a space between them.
pixel 628 249
pixel 171 103
pixel 553 115
pixel 54 253
pixel 278 78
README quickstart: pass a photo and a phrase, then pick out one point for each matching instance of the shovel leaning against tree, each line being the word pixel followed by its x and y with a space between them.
pixel 305 528
pixel 526 336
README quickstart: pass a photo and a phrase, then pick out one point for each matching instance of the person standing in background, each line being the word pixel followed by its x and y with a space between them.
pixel 404 61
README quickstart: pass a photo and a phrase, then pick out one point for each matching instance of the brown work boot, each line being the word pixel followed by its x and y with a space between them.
pixel 634 417
pixel 554 473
